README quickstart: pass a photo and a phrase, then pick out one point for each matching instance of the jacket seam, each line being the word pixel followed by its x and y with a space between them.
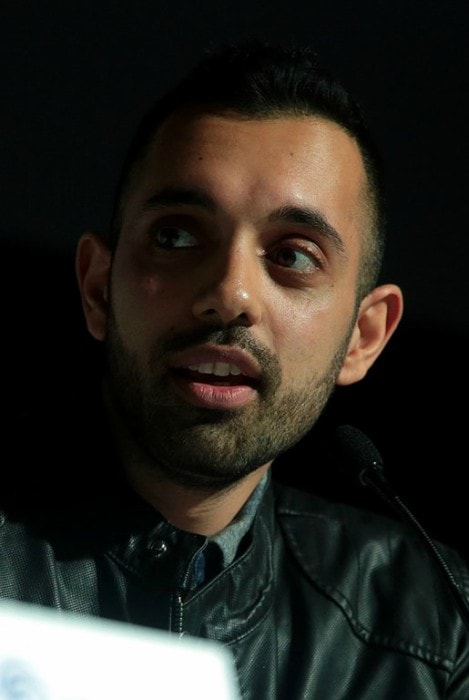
pixel 424 653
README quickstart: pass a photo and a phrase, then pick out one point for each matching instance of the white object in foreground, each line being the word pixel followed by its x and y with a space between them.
pixel 49 655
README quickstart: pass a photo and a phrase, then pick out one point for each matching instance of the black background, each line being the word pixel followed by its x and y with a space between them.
pixel 76 77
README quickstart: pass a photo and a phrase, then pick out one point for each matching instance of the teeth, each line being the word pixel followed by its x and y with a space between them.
pixel 220 369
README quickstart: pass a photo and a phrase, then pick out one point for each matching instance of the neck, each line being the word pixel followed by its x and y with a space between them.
pixel 201 512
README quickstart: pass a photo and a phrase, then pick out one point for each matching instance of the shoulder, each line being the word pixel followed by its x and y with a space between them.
pixel 335 539
pixel 378 571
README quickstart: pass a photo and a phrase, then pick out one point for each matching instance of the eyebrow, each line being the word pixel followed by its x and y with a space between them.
pixel 309 217
pixel 170 196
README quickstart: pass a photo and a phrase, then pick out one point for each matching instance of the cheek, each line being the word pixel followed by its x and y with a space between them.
pixel 144 307
pixel 307 335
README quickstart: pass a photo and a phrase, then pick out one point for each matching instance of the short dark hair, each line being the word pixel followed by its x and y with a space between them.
pixel 259 80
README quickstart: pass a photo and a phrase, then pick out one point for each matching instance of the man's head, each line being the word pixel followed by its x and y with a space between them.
pixel 259 81
pixel 237 293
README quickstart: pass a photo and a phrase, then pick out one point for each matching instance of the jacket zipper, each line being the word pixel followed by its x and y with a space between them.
pixel 179 615
pixel 177 622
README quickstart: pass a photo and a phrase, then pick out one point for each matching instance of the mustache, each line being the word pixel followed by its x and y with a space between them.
pixel 238 336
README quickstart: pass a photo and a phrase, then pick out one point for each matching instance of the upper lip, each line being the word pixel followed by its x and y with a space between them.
pixel 201 354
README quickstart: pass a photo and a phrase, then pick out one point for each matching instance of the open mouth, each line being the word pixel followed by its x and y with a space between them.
pixel 216 374
pixel 214 377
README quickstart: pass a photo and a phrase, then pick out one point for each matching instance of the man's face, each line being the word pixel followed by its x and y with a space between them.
pixel 232 295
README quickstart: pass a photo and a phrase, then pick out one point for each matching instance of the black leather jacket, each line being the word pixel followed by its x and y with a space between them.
pixel 324 602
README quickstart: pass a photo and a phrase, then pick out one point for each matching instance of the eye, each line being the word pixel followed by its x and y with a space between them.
pixel 169 237
pixel 295 258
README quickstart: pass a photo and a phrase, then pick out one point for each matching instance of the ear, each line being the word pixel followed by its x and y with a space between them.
pixel 92 268
pixel 378 317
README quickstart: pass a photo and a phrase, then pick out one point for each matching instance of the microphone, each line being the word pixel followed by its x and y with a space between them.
pixel 359 451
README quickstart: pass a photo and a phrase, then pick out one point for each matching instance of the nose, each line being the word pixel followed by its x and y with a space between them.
pixel 230 289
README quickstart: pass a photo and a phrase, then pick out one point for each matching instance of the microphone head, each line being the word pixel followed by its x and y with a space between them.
pixel 357 450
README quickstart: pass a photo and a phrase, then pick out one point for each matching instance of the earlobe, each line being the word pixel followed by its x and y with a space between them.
pixel 378 317
pixel 92 267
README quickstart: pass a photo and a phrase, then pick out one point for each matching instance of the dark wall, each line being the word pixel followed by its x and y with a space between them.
pixel 75 79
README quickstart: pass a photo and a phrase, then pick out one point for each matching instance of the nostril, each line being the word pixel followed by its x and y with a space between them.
pixel 226 317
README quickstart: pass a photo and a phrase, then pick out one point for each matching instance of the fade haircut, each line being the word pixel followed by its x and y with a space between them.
pixel 260 81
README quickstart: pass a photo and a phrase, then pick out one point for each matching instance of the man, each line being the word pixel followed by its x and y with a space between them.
pixel 237 287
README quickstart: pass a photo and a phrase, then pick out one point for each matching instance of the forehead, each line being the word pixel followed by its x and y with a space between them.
pixel 302 136
pixel 305 160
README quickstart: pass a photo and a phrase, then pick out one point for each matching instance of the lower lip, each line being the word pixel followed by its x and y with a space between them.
pixel 213 396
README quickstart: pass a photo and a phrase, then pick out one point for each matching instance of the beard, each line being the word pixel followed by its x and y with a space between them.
pixel 203 448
